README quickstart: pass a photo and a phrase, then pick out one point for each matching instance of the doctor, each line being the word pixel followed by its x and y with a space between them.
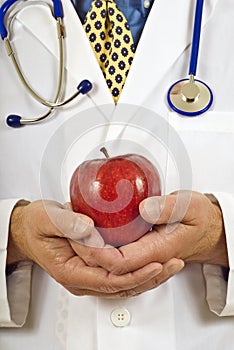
pixel 189 309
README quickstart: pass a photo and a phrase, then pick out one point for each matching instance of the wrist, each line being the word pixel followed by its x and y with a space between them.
pixel 219 255
pixel 15 251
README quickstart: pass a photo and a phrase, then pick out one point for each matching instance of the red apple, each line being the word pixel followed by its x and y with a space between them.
pixel 109 191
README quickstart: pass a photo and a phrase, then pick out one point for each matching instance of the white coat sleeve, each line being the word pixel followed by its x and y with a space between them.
pixel 15 290
pixel 220 292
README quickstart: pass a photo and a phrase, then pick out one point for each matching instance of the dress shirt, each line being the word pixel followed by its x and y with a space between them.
pixel 135 11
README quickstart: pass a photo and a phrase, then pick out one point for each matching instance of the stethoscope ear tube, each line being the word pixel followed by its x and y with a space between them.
pixel 13 120
pixel 57 7
pixel 16 121
pixel 84 87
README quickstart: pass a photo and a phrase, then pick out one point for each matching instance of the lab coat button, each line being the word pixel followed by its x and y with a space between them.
pixel 120 317
pixel 146 4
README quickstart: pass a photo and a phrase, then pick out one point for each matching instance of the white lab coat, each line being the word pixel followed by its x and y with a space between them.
pixel 188 311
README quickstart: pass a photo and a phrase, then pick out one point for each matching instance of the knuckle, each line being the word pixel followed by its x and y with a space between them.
pixel 121 265
pixel 88 254
pixel 90 257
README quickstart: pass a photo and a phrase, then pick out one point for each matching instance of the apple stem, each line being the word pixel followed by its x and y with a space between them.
pixel 104 151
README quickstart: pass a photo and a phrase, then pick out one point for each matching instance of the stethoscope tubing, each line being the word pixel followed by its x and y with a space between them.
pixel 16 121
pixel 196 38
pixel 60 73
pixel 60 34
pixel 3 10
pixel 84 87
pixel 57 13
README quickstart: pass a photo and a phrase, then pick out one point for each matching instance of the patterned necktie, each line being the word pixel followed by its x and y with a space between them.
pixel 111 39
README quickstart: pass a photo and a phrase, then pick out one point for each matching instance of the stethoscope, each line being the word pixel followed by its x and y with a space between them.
pixel 189 97
pixel 84 87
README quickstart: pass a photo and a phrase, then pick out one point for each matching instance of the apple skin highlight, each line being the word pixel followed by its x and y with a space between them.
pixel 109 190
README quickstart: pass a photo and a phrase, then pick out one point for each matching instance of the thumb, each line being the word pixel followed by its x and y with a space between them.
pixel 84 226
pixel 72 225
pixel 75 226
pixel 165 209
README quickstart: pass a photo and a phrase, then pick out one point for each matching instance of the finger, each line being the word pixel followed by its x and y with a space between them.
pixel 87 292
pixel 153 246
pixel 169 209
pixel 107 257
pixel 99 280
pixel 128 258
pixel 169 269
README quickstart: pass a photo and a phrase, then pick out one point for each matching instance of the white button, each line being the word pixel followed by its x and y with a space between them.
pixel 120 317
pixel 146 4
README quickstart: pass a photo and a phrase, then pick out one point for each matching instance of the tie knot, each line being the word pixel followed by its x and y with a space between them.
pixel 100 3
pixel 109 2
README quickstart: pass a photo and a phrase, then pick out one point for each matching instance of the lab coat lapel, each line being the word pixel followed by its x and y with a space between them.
pixel 81 62
pixel 167 33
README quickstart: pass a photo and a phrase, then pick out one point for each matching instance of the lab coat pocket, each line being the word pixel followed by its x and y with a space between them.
pixel 208 143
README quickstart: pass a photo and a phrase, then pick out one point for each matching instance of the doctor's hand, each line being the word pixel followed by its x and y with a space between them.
pixel 45 231
pixel 188 226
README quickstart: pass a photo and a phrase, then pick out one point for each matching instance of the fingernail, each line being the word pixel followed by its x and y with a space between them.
pixel 67 205
pixel 175 268
pixel 156 269
pixel 83 225
pixel 150 209
pixel 95 240
pixel 172 269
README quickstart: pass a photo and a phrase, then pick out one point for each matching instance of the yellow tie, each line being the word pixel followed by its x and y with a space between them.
pixel 111 39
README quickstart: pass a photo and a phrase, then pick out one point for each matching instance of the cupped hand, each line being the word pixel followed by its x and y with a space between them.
pixel 188 225
pixel 45 232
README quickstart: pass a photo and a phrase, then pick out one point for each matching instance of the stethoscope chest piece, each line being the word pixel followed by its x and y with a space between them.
pixel 190 97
